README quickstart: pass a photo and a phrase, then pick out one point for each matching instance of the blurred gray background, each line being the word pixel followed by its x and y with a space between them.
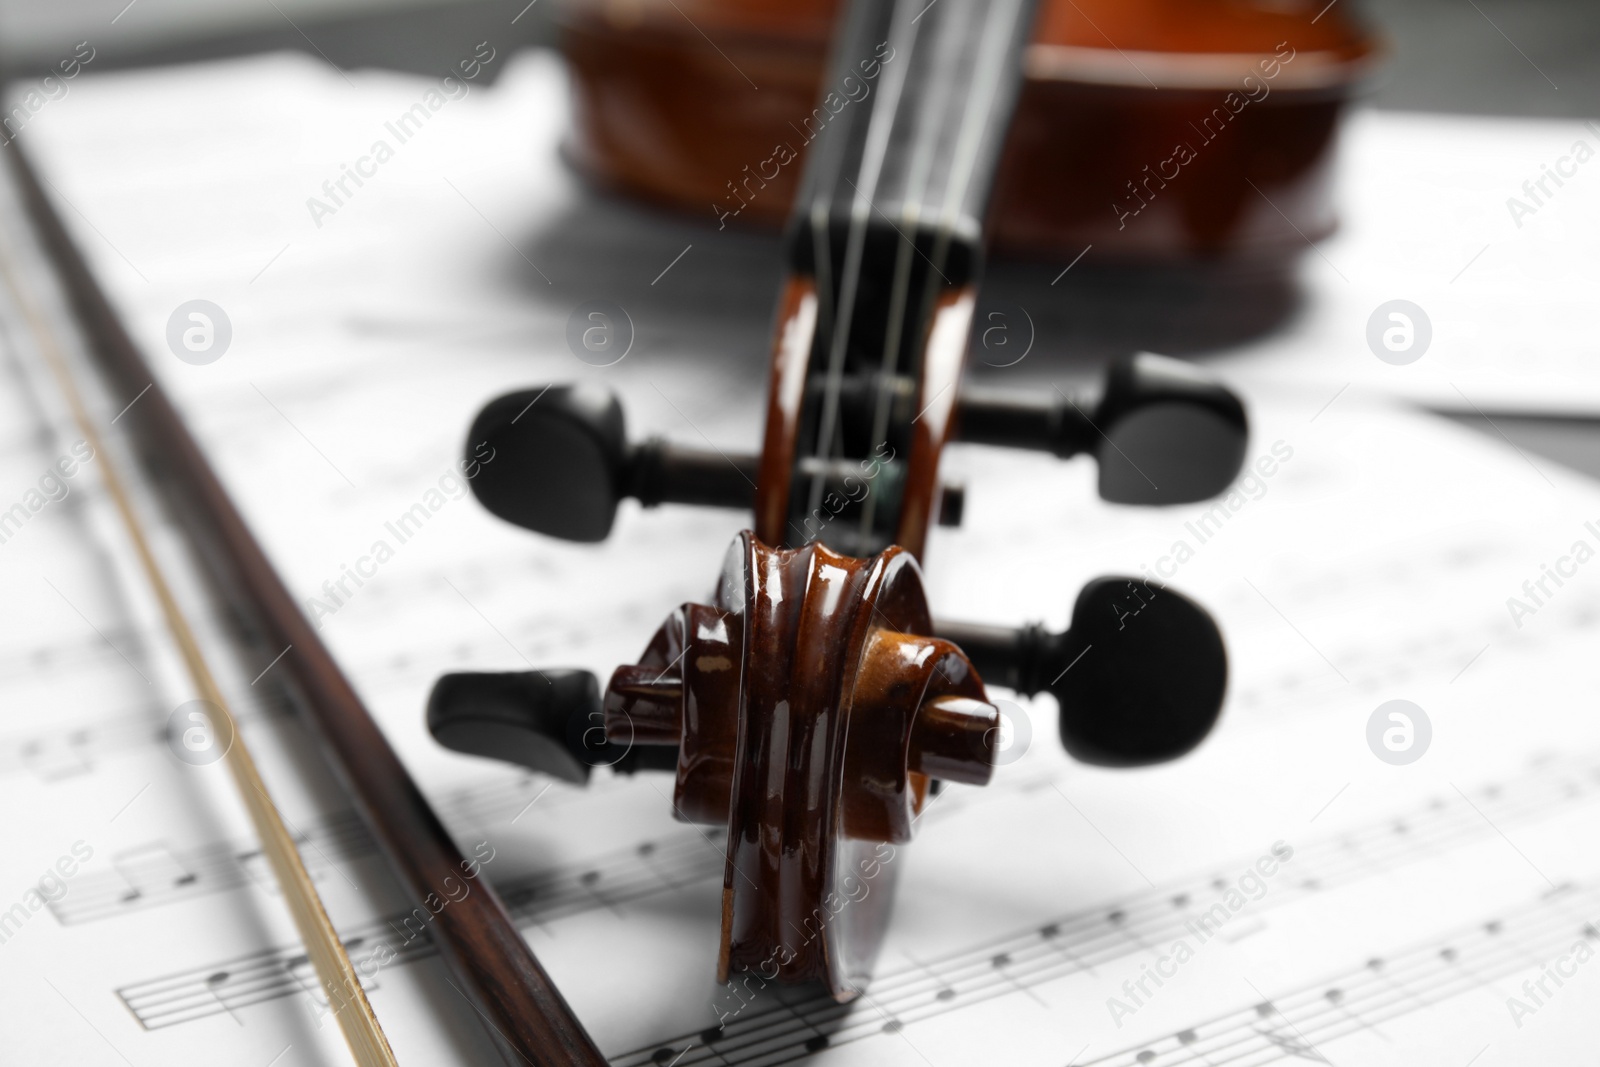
pixel 1491 57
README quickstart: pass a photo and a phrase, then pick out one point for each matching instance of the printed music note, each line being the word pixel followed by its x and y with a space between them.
pixel 151 870
pixel 216 983
pixel 589 880
pixel 1000 963
pixel 647 852
pixel 1379 967
pixel 1051 935
pixel 404 650
pixel 944 991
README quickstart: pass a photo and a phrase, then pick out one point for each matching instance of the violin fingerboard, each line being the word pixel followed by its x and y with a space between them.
pixel 908 132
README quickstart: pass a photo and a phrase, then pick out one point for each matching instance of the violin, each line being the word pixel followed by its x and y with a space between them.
pixel 1153 131
pixel 812 704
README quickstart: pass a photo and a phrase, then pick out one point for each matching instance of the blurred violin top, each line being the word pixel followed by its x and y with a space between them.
pixel 1157 131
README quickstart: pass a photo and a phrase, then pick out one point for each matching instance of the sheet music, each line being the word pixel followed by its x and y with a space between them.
pixel 1405 907
pixel 1483 226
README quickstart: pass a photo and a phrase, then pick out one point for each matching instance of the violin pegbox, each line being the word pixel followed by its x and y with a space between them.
pixel 1161 432
pixel 810 707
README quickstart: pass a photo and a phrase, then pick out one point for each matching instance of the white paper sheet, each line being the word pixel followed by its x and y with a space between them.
pixel 1484 224
pixel 1373 563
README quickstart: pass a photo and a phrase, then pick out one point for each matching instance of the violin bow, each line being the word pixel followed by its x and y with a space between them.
pixel 491 964
pixel 362 1033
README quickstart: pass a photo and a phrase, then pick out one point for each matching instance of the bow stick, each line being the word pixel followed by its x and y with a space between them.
pixel 493 967
pixel 337 974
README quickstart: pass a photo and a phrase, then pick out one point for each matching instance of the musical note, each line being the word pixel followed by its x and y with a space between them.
pixel 1024 960
pixel 58 756
pixel 1003 960
pixel 215 983
pixel 57 753
pixel 588 880
pixel 1305 1019
pixel 151 868
pixel 413 650
pixel 647 851
pixel 1073 944
pixel 340 837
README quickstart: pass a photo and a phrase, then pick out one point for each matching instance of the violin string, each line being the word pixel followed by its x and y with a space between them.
pixel 870 171
pixel 990 70
pixel 358 1023
pixel 988 73
pixel 880 126
pixel 917 181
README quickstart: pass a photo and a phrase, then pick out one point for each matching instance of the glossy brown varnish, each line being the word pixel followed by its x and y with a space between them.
pixel 944 353
pixel 793 337
pixel 806 694
pixel 1112 87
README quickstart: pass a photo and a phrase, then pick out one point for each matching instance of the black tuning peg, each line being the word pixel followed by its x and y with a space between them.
pixel 549 721
pixel 1139 677
pixel 1163 432
pixel 561 463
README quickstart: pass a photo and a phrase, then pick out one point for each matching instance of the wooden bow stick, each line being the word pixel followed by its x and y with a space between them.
pixel 492 967
pixel 335 972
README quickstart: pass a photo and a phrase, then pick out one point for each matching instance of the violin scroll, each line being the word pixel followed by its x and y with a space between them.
pixel 806 708
pixel 810 706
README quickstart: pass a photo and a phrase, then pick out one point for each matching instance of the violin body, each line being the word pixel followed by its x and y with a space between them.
pixel 1206 131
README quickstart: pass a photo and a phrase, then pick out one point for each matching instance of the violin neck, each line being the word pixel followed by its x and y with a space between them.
pixel 907 138
pixel 887 230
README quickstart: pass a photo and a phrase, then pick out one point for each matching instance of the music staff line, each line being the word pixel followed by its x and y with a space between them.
pixel 66 752
pixel 1427 657
pixel 80 650
pixel 1384 988
pixel 274 973
pixel 55 752
pixel 621 877
pixel 172 875
pixel 1143 924
pixel 1075 943
pixel 1432 658
pixel 164 876
pixel 63 752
